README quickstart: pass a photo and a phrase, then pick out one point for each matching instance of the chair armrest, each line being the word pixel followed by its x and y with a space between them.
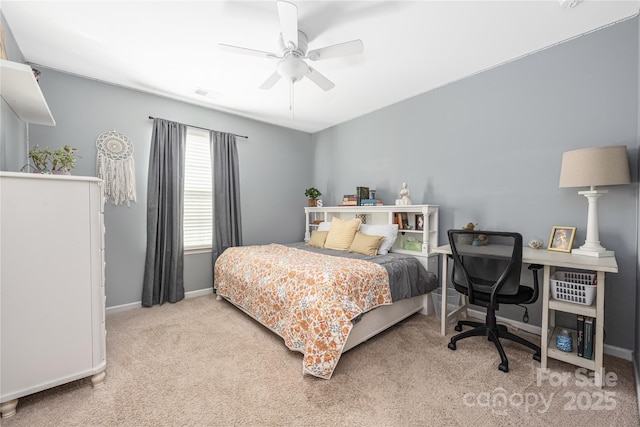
pixel 536 288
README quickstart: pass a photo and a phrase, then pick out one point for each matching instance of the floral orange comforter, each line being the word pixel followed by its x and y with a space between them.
pixel 309 299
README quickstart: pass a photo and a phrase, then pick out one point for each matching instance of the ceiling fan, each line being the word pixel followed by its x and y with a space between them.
pixel 293 45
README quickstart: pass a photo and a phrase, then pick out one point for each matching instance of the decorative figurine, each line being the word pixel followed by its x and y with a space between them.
pixel 536 243
pixel 404 196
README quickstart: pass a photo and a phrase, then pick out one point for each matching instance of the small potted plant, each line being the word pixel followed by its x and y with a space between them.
pixel 39 160
pixel 63 160
pixel 312 194
pixel 59 162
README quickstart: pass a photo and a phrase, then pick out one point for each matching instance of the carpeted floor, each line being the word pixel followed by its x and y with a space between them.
pixel 202 362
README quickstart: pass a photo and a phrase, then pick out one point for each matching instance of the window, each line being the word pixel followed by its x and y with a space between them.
pixel 198 204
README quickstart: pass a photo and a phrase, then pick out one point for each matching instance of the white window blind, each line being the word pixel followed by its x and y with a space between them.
pixel 198 224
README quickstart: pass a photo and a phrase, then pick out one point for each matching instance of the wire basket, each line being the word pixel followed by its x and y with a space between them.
pixel 573 287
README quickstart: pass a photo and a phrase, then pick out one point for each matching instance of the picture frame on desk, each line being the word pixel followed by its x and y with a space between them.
pixel 561 239
pixel 419 222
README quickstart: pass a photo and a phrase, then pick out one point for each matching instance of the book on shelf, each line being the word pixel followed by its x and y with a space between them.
pixel 361 193
pixel 370 202
pixel 399 220
pixel 588 337
pixel 580 336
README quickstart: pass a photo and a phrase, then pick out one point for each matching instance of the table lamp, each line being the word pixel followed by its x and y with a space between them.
pixel 591 167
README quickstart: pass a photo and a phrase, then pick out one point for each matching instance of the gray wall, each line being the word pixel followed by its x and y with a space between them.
pixel 274 170
pixel 488 149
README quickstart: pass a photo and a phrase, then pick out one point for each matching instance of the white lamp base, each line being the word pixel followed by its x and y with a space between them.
pixel 601 254
pixel 592 246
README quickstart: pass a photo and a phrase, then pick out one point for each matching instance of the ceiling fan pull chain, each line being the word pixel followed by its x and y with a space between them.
pixel 291 99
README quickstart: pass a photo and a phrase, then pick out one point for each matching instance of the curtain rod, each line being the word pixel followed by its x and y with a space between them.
pixel 198 127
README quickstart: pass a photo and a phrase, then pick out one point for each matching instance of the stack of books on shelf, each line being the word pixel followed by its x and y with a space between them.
pixel 349 200
pixel 585 331
pixel 360 198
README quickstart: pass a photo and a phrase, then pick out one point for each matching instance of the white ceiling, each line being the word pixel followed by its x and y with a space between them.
pixel 410 47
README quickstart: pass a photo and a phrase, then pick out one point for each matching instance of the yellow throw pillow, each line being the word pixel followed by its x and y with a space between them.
pixel 317 239
pixel 366 245
pixel 341 233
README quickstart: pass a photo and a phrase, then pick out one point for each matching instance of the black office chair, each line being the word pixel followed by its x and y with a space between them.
pixel 488 280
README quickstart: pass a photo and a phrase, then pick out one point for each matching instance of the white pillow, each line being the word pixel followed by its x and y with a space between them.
pixel 389 231
pixel 324 226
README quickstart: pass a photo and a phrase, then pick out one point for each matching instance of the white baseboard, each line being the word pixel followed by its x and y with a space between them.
pixel 637 373
pixel 199 293
pixel 132 305
pixel 619 352
pixel 124 307
pixel 611 350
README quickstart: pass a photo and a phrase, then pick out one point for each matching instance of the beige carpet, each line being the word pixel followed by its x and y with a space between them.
pixel 203 362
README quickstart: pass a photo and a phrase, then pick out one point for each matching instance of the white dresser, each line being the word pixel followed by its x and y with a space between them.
pixel 52 299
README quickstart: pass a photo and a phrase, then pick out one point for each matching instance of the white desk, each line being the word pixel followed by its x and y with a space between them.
pixel 550 260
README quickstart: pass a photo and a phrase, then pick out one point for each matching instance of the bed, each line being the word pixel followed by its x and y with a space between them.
pixel 321 301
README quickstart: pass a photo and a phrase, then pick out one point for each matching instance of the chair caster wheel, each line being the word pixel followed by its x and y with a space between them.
pixel 536 357
pixel 503 367
pixel 458 328
pixel 452 346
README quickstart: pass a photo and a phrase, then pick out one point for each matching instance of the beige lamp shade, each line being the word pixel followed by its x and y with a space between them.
pixel 591 167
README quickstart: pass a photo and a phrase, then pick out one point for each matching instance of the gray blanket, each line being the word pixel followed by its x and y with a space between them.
pixel 407 276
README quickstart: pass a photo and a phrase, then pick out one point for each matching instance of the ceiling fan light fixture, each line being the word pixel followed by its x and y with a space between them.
pixel 293 53
pixel 292 68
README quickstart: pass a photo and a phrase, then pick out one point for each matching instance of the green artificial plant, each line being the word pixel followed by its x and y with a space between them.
pixel 312 193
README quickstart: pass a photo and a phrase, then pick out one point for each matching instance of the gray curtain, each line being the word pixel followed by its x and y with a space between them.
pixel 227 227
pixel 163 268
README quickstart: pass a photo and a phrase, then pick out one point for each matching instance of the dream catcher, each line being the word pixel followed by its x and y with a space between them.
pixel 116 167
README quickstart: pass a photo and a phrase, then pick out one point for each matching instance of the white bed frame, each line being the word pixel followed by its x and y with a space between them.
pixel 383 317
pixel 377 320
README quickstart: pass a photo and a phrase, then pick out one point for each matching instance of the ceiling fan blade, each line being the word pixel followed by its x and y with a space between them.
pixel 288 13
pixel 246 51
pixel 320 80
pixel 272 80
pixel 342 49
